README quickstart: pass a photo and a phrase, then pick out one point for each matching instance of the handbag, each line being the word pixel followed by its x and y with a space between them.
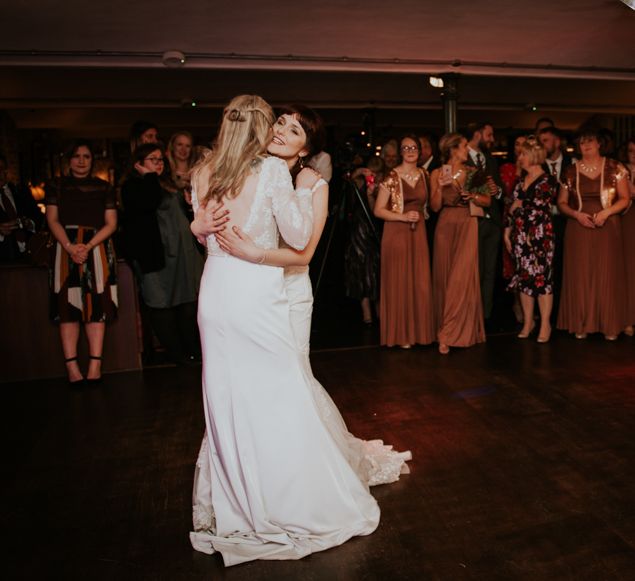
pixel 476 211
pixel 40 249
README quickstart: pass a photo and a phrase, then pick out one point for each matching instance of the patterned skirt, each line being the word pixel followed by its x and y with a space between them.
pixel 85 292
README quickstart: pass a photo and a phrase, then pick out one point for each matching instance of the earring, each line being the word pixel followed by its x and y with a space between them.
pixel 301 162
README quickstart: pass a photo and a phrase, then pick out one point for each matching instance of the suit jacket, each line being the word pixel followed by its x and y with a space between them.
pixel 492 213
pixel 25 208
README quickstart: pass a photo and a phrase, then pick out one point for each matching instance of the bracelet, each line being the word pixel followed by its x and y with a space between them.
pixel 264 255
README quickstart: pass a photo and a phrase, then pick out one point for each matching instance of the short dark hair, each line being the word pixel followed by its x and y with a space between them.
pixel 475 127
pixel 545 120
pixel 591 131
pixel 312 124
pixel 551 129
pixel 137 130
pixel 145 149
pixel 71 150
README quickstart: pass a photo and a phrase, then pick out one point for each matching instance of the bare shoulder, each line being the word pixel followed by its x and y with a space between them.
pixel 310 172
pixel 307 178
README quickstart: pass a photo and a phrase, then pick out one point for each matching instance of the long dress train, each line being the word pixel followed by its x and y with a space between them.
pixel 270 481
pixel 374 462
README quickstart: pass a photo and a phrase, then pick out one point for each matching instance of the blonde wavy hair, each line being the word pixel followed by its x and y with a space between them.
pixel 535 150
pixel 244 136
pixel 169 151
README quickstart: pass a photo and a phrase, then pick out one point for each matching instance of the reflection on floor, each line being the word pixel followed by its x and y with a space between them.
pixel 524 464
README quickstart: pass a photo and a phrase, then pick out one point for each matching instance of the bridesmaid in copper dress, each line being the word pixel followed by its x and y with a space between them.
pixel 628 234
pixel 457 290
pixel 594 193
pixel 405 307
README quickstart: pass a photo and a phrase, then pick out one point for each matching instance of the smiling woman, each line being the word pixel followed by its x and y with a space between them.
pixel 81 214
pixel 406 310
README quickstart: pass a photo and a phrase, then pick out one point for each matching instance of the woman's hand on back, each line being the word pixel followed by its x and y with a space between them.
pixel 238 244
pixel 209 219
pixel 307 178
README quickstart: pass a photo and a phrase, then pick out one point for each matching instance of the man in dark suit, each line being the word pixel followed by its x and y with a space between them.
pixel 556 165
pixel 480 138
pixel 429 160
pixel 19 216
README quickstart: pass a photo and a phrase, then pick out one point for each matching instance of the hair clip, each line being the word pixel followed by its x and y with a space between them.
pixel 234 115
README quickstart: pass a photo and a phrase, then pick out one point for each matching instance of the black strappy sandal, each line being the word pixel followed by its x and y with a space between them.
pixel 77 382
pixel 96 380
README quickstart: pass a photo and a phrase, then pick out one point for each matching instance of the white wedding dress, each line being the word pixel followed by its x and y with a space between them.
pixel 271 482
pixel 374 462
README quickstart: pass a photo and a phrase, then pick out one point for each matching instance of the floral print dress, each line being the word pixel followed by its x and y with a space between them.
pixel 532 237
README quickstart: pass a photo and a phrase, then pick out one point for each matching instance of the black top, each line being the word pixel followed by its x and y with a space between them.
pixel 141 196
pixel 81 201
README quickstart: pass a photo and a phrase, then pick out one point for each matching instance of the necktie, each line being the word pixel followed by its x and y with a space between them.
pixel 12 215
pixel 554 168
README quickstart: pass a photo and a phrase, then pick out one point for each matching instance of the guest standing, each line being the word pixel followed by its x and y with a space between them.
pixel 143 132
pixel 628 234
pixel 361 256
pixel 406 313
pixel 457 291
pixel 19 217
pixel 82 216
pixel 181 157
pixel 593 290
pixel 163 254
pixel 480 141
pixel 510 175
pixel 556 164
pixel 529 238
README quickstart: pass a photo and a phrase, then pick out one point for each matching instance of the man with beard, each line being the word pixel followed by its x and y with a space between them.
pixel 556 164
pixel 480 138
pixel 557 159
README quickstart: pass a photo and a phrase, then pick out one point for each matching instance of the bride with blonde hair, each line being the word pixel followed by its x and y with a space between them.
pixel 270 483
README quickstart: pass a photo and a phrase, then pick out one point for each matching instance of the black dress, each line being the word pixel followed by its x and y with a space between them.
pixel 361 257
pixel 83 292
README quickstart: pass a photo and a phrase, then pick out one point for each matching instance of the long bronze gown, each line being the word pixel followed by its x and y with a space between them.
pixel 456 282
pixel 405 305
pixel 593 282
pixel 628 238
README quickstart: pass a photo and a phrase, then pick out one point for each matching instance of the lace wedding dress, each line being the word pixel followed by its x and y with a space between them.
pixel 271 482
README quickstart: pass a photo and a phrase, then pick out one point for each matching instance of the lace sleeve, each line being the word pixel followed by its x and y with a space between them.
pixel 292 210
pixel 195 204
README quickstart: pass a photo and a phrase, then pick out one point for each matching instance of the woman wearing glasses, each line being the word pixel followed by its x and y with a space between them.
pixel 159 244
pixel 405 302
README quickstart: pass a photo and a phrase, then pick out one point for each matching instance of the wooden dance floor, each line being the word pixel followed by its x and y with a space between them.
pixel 524 468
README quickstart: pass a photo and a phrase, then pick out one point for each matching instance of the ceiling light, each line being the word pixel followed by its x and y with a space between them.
pixel 436 82
pixel 173 59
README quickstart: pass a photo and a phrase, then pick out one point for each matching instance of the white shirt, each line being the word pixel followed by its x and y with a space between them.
pixel 426 165
pixel 475 157
pixel 558 166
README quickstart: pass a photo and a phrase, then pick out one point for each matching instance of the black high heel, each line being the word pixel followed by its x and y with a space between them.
pixel 95 380
pixel 77 382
